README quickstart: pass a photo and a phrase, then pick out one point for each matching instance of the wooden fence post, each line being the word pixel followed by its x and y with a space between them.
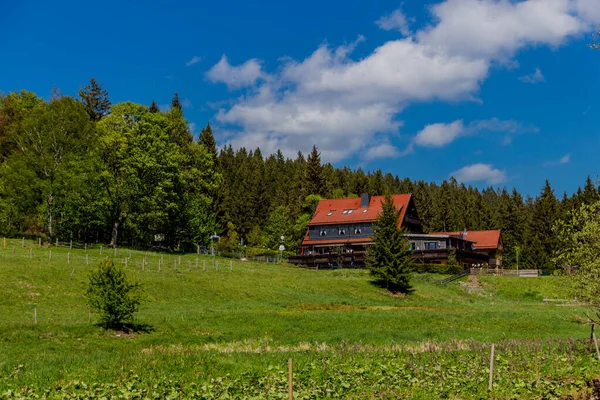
pixel 35 315
pixel 23 242
pixel 50 256
pixel 596 344
pixel 290 379
pixel 100 249
pixel 4 242
pixel 30 253
pixel 71 244
pixel 203 265
pixel 39 242
pixel 492 368
pixel 56 241
pixel 68 258
pixel 114 251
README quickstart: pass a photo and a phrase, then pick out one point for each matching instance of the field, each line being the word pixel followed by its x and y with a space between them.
pixel 228 332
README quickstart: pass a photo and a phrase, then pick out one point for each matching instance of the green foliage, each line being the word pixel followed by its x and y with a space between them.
pixel 176 103
pixel 436 268
pixel 578 252
pixel 389 257
pixel 110 294
pixel 95 100
pixel 278 224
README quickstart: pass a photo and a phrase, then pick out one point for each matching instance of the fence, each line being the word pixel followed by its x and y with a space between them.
pixel 506 272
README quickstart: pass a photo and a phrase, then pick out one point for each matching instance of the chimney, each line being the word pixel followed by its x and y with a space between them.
pixel 365 200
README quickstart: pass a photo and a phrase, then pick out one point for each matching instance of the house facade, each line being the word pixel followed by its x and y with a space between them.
pixel 488 243
pixel 341 232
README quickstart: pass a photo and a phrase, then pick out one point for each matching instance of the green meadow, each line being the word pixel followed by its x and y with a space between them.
pixel 217 328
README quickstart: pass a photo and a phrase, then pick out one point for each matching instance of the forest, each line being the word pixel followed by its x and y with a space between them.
pixel 80 168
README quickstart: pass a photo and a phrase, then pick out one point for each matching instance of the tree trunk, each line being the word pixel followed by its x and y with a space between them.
pixel 115 233
pixel 50 201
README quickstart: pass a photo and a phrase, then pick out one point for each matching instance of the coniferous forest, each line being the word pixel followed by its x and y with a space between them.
pixel 80 168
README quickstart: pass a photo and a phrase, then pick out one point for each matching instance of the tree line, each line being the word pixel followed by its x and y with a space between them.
pixel 84 169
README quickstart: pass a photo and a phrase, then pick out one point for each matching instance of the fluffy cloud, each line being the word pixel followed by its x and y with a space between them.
pixel 535 77
pixel 441 134
pixel 194 60
pixel 235 76
pixel 480 173
pixel 396 20
pixel 385 150
pixel 340 103
pixel 438 135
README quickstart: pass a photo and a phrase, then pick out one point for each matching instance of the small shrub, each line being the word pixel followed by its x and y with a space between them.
pixel 110 294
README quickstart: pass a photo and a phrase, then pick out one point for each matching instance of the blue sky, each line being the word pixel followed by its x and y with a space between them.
pixel 492 92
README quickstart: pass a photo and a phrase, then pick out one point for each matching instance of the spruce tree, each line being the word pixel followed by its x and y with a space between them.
pixel 95 100
pixel 546 210
pixel 389 257
pixel 314 172
pixel 176 103
pixel 207 139
pixel 153 107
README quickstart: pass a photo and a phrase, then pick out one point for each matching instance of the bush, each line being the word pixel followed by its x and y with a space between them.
pixel 111 295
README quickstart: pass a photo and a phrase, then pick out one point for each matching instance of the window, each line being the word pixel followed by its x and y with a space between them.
pixel 330 213
pixel 350 211
pixel 365 211
pixel 342 232
pixel 432 245
pixel 323 232
pixel 357 231
pixel 344 212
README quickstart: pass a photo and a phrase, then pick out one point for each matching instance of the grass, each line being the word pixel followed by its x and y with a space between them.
pixel 247 319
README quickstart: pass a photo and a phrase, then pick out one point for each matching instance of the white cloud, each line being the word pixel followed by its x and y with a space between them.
pixel 441 134
pixel 235 76
pixel 438 135
pixel 563 160
pixel 496 29
pixel 480 173
pixel 535 77
pixel 340 103
pixel 194 60
pixel 385 150
pixel 396 20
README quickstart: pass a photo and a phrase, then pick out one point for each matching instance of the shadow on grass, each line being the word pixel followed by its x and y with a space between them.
pixel 128 327
pixel 390 287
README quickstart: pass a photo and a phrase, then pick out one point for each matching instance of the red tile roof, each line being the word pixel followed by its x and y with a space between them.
pixel 483 239
pixel 336 207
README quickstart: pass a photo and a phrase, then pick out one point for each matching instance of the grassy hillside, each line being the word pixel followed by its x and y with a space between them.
pixel 246 317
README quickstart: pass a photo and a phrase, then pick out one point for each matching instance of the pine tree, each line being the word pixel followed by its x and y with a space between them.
pixel 590 193
pixel 153 107
pixel 176 103
pixel 389 257
pixel 208 140
pixel 95 100
pixel 546 210
pixel 314 172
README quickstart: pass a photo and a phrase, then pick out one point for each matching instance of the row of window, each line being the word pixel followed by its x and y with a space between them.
pixel 341 232
pixel 346 211
pixel 428 246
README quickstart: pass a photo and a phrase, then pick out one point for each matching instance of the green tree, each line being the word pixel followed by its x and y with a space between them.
pixel 207 139
pixel 153 107
pixel 314 172
pixel 176 103
pixel 95 100
pixel 278 224
pixel 578 249
pixel 110 294
pixel 389 257
pixel 546 210
pixel 52 139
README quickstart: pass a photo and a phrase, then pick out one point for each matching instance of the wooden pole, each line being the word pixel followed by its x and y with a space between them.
pixel 40 242
pixel 56 242
pixel 596 344
pixel 50 256
pixel 35 315
pixel 23 242
pixel 179 260
pixel 68 258
pixel 203 265
pixel 290 379
pixel 114 251
pixel 87 261
pixel 4 242
pixel 492 368
pixel 72 272
pixel 175 265
pixel 30 253
pixel 159 262
pixel 230 265
pixel 100 249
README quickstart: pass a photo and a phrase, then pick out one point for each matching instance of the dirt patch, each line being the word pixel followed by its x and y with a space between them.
pixel 348 307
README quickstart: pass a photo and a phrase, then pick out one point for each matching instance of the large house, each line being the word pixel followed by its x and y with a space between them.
pixel 341 231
